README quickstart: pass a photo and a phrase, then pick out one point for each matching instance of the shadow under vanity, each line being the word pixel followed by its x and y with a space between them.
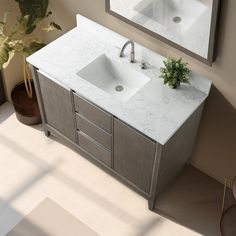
pixel 140 141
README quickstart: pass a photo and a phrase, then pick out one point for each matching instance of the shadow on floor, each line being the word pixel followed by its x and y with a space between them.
pixel 12 215
pixel 194 200
pixel 147 229
pixel 8 213
pixel 5 111
pixel 47 169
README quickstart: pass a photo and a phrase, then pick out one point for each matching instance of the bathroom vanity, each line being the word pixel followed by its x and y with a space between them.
pixel 116 114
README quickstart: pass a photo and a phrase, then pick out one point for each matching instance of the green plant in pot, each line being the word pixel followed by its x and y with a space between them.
pixel 175 72
pixel 20 39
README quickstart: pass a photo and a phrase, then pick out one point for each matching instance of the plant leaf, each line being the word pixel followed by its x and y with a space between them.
pixel 49 13
pixel 2 25
pixel 21 27
pixel 56 26
pixel 52 26
pixel 4 53
pixel 32 48
pixel 6 14
pixel 175 72
pixel 3 22
pixel 36 8
pixel 11 55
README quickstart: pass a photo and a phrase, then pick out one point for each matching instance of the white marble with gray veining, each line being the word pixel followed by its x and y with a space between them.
pixel 155 110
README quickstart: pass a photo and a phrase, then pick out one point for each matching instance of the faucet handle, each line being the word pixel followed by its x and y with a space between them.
pixel 144 65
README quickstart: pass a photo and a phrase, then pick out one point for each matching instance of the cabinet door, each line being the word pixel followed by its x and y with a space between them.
pixel 134 155
pixel 57 106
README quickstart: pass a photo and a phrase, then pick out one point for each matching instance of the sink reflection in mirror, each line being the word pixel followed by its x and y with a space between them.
pixel 177 15
pixel 188 25
pixel 119 80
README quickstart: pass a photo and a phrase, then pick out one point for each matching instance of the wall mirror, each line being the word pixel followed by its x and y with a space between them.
pixel 188 25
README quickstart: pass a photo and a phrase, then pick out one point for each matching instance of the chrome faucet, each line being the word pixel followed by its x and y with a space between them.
pixel 132 53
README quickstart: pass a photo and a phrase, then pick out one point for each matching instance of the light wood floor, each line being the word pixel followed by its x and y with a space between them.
pixel 33 167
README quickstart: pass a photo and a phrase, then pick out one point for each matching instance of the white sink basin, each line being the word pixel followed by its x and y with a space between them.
pixel 119 80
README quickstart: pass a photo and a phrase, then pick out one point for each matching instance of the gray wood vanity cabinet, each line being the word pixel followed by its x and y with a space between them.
pixel 140 162
pixel 134 155
pixel 94 128
pixel 57 106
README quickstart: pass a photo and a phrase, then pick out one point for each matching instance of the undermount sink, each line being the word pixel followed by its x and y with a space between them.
pixel 121 81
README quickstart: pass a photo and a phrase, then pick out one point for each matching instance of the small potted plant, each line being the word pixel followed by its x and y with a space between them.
pixel 175 72
pixel 19 39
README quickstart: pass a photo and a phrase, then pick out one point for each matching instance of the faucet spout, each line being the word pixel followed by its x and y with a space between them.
pixel 132 53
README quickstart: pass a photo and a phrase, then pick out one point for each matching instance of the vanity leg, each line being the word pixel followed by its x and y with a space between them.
pixel 39 98
pixel 47 133
pixel 151 204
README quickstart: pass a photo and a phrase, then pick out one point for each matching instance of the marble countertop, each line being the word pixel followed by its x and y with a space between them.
pixel 155 110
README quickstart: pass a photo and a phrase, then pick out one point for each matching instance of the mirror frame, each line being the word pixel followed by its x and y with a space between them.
pixel 212 47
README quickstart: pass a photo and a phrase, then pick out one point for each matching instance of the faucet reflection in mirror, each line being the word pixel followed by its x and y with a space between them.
pixel 189 25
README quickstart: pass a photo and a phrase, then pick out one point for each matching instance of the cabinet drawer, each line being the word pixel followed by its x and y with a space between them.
pixel 91 147
pixel 93 131
pixel 93 113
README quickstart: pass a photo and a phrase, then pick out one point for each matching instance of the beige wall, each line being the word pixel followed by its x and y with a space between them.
pixel 215 149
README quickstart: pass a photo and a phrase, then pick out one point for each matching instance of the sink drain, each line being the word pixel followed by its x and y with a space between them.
pixel 177 19
pixel 119 88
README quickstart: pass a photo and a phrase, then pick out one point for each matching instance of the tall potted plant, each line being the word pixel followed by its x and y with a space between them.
pixel 20 39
